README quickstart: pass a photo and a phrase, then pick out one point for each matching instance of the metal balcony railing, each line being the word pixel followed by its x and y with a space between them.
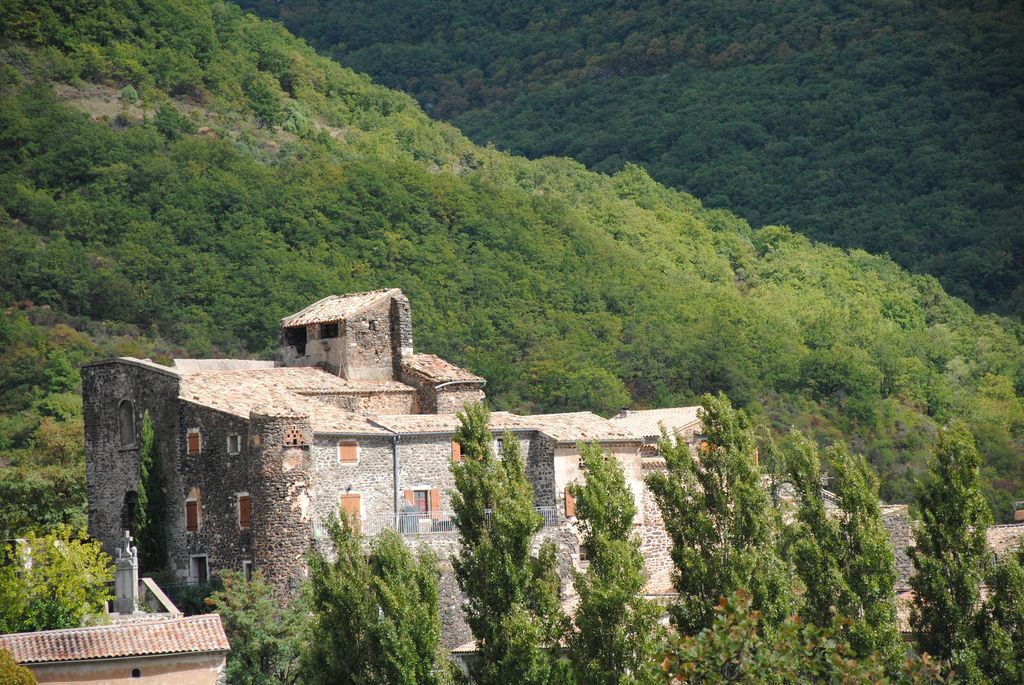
pixel 417 523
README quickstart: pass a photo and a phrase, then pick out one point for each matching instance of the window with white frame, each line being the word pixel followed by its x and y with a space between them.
pixel 234 444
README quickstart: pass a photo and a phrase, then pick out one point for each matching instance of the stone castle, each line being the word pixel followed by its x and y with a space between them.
pixel 254 455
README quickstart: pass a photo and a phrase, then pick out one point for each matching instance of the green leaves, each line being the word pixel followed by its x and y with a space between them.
pixel 375 613
pixel 512 595
pixel 616 628
pixel 52 581
pixel 723 528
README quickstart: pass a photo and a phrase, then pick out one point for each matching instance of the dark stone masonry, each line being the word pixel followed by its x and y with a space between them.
pixel 255 455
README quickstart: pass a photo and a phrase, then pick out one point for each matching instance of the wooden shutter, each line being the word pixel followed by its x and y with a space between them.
pixel 243 511
pixel 570 504
pixel 435 503
pixel 350 507
pixel 192 516
pixel 348 452
pixel 193 442
pixel 456 451
pixel 410 497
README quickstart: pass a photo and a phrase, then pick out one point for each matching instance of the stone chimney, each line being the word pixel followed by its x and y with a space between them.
pixel 126 577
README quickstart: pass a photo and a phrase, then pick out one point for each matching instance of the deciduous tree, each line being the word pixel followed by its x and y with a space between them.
pixel 724 530
pixel 950 555
pixel 616 627
pixel 512 596
pixel 53 581
pixel 844 557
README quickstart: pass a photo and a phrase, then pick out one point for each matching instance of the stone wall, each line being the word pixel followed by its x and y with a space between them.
pixel 219 477
pixel 539 454
pixel 373 403
pixel 368 351
pixel 112 469
pixel 371 477
pixel 280 476
pixel 655 544
pixel 454 398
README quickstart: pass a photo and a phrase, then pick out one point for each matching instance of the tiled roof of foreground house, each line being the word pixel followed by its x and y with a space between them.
pixel 337 307
pixel 647 423
pixel 174 636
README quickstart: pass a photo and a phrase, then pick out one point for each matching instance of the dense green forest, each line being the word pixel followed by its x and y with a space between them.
pixel 176 175
pixel 888 125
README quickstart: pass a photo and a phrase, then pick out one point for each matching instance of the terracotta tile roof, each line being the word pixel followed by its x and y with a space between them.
pixel 578 427
pixel 194 365
pixel 438 370
pixel 173 636
pixel 1005 538
pixel 647 423
pixel 284 391
pixel 443 423
pixel 337 307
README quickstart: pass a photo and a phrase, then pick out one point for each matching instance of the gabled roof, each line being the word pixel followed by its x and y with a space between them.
pixel 170 636
pixel 647 422
pixel 337 307
pixel 437 370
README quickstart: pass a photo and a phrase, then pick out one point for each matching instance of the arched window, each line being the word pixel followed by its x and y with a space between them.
pixel 126 423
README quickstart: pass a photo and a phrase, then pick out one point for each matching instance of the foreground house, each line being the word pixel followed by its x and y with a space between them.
pixel 179 651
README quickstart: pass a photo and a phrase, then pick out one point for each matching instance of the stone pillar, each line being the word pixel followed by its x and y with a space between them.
pixel 126 577
pixel 401 330
pixel 280 472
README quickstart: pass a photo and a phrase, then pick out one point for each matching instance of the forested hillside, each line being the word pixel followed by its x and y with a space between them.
pixel 893 126
pixel 176 175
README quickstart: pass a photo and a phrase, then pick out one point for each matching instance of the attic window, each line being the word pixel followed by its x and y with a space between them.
pixel 329 330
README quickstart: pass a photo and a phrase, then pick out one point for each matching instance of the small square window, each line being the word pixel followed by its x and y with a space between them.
pixel 348 452
pixel 234 444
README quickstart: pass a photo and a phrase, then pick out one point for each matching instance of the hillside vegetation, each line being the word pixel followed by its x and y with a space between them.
pixel 175 176
pixel 888 125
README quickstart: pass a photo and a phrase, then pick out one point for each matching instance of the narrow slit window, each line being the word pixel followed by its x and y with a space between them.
pixel 234 444
pixel 243 510
pixel 126 423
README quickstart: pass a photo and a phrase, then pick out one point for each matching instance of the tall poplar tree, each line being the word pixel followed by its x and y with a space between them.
pixel 950 555
pixel 844 557
pixel 719 516
pixel 375 614
pixel 512 596
pixel 616 627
